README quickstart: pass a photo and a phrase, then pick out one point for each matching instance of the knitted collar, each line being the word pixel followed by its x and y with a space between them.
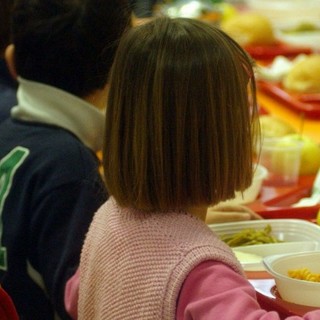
pixel 42 103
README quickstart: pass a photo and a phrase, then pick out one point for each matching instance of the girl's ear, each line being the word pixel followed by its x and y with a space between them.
pixel 9 57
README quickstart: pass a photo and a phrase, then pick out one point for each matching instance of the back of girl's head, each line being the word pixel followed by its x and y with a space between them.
pixel 5 14
pixel 179 117
pixel 69 44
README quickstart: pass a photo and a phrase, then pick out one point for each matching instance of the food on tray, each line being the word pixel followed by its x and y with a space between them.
pixel 278 69
pixel 249 29
pixel 274 127
pixel 304 76
pixel 304 274
pixel 250 236
pixel 299 90
pixel 302 27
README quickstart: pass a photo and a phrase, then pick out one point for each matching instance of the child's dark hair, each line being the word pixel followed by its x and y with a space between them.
pixel 5 14
pixel 179 119
pixel 69 44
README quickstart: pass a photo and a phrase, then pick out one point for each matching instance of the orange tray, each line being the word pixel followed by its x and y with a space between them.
pixel 268 52
pixel 306 104
pixel 275 203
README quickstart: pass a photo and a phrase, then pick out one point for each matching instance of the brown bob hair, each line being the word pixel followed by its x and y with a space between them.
pixel 180 117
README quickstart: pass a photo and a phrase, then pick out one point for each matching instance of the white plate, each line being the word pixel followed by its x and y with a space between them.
pixel 284 14
pixel 266 250
pixel 310 39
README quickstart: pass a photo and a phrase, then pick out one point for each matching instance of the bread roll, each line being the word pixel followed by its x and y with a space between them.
pixel 304 77
pixel 249 29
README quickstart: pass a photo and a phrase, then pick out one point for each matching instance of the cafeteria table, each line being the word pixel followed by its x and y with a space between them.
pixel 274 203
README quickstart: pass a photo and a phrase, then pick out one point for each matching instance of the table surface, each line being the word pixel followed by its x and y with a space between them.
pixel 281 208
pixel 275 203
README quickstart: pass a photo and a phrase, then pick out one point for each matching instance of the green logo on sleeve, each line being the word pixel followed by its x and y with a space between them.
pixel 8 167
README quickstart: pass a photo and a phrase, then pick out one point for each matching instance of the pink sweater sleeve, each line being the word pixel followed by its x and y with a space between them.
pixel 71 294
pixel 214 291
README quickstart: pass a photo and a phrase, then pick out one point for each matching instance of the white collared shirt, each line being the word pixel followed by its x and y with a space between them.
pixel 38 102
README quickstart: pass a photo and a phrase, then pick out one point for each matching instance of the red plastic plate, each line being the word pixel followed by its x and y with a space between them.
pixel 270 299
pixel 276 203
pixel 306 104
pixel 267 52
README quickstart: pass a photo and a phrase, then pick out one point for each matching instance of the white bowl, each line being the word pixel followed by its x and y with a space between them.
pixel 293 290
pixel 252 192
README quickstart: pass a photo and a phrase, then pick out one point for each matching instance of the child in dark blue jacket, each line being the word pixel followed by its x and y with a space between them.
pixel 50 184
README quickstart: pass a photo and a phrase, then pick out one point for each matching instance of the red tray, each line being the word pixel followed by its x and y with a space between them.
pixel 276 203
pixel 270 300
pixel 268 52
pixel 306 104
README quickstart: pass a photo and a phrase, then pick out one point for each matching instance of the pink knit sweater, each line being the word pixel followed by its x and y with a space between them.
pixel 133 263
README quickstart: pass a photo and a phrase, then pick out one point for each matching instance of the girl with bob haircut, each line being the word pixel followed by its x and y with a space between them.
pixel 178 138
pixel 178 133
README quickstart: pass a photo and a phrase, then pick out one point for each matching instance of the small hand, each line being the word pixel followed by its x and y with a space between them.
pixel 230 213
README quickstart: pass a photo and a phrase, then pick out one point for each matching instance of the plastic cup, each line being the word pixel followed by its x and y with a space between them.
pixel 282 159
